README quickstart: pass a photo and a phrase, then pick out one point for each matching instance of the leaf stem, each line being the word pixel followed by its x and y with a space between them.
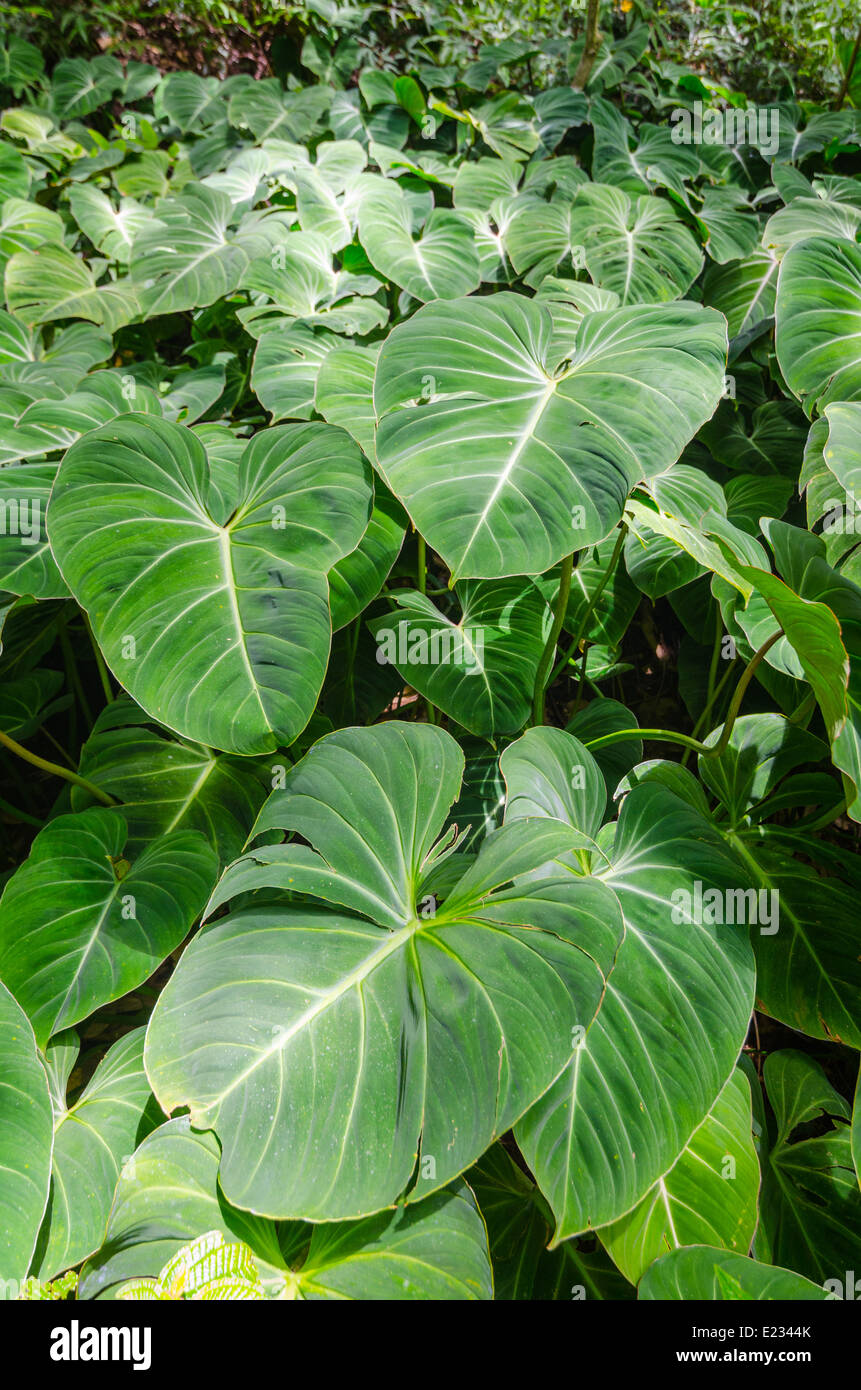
pixel 74 675
pixel 55 768
pixel 59 747
pixel 703 749
pixel 590 609
pixel 100 662
pixel 552 639
pixel 714 690
pixel 422 563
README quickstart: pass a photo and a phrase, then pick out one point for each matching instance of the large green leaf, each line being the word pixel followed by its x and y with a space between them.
pixel 93 1136
pixel 506 459
pixel 169 784
pixel 359 577
pixel 731 223
pixel 818 322
pixel 78 86
pixel 702 1273
pixel 541 237
pixel 24 226
pixel 743 290
pixel 345 392
pixel 808 969
pixel 441 263
pixel 26 563
pixel 168 1194
pixel 436 1250
pixel 672 1019
pixel 430 1028
pixel 299 280
pixel 519 1224
pixel 818 626
pixel 51 283
pixel 21 65
pixel 811 1203
pixel 111 230
pixel 762 748
pixel 220 632
pixel 478 666
pixel 709 1196
pixel 287 363
pixel 26 1140
pixel 804 218
pixel 329 193
pixel 185 255
pixel 637 247
pixel 26 702
pixel 842 449
pixel 80 924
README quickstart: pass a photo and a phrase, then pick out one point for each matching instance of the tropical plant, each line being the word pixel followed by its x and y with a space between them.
pixel 430 685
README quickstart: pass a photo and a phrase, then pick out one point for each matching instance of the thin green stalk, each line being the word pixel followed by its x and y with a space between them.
pixel 55 768
pixel 100 662
pixel 74 675
pixel 591 606
pixel 422 563
pixel 718 691
pixel 757 871
pixel 654 735
pixel 422 576
pixel 684 740
pixel 713 665
pixel 243 387
pixel 735 703
pixel 58 745
pixel 552 639
pixel 581 680
pixel 350 683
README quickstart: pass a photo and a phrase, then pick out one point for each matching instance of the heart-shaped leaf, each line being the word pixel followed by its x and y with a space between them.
pixel 442 263
pixel 505 459
pixel 92 1138
pixel 26 1140
pixel 220 632
pixel 818 313
pixel 81 925
pixel 437 1026
pixel 681 989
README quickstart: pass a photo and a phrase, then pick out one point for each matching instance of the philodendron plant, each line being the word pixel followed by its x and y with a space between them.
pixel 430 686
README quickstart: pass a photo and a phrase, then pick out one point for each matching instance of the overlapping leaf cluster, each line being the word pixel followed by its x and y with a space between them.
pixel 301 387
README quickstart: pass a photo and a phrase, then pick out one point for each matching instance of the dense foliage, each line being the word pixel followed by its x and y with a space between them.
pixel 430 686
